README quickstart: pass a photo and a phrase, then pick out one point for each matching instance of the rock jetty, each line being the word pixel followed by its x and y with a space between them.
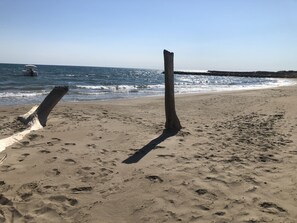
pixel 277 74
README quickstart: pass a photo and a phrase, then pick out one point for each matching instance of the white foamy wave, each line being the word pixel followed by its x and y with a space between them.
pixel 124 88
pixel 188 88
pixel 156 86
pixel 110 88
pixel 93 87
pixel 191 79
pixel 285 82
pixel 20 94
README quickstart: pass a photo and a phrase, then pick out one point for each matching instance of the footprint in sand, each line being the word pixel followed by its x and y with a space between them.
pixel 220 213
pixel 203 207
pixel 23 157
pixel 78 190
pixel 201 191
pixel 44 151
pixel 87 168
pixel 46 210
pixel 4 200
pixel 64 199
pixel 34 136
pixel 166 156
pixel 6 168
pixel 69 144
pixel 154 179
pixel 160 147
pixel 50 187
pixel 25 143
pixel 63 150
pixel 70 161
pixel 206 194
pixel 4 187
pixel 51 160
pixel 50 143
pixel 26 190
pixel 53 187
pixel 16 147
pixel 91 146
pixel 294 152
pixel 267 158
pixel 105 172
pixel 53 142
pixel 53 172
pixel 271 208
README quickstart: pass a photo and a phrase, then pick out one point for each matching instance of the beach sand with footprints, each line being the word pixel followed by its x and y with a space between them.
pixel 235 160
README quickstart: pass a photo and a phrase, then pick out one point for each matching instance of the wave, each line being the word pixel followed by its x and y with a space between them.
pixel 92 87
pixel 21 94
pixel 183 86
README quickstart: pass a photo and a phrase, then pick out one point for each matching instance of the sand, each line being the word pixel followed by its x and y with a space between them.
pixel 235 160
pixel 34 125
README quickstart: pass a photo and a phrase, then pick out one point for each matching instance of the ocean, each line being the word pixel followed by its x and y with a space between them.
pixel 102 83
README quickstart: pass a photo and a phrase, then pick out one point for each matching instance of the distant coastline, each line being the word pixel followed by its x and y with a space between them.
pixel 271 74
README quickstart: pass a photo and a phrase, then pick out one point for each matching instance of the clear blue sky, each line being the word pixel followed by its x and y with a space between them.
pixel 203 34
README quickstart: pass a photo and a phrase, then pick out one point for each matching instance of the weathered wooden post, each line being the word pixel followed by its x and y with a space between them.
pixel 46 106
pixel 172 122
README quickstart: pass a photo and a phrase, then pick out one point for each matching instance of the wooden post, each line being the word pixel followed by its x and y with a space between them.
pixel 172 121
pixel 46 106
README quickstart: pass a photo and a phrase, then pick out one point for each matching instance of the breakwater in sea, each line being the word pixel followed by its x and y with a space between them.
pixel 262 74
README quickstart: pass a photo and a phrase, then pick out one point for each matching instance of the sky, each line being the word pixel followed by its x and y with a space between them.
pixel 203 34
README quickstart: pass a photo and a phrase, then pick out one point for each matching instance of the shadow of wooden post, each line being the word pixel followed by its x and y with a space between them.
pixel 138 155
pixel 172 122
pixel 172 125
pixel 46 106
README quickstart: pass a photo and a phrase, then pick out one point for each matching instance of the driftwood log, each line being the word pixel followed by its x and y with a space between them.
pixel 46 106
pixel 172 122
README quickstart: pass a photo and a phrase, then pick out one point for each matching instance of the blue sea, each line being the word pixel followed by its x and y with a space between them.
pixel 102 83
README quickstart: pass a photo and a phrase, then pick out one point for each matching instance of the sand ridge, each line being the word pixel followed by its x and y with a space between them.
pixel 234 161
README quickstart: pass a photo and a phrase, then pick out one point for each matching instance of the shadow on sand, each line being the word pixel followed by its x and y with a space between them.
pixel 149 147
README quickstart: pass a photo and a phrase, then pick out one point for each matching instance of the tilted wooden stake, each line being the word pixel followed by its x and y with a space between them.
pixel 46 106
pixel 172 121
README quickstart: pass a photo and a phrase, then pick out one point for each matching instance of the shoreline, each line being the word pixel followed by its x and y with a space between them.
pixel 24 108
pixel 228 163
pixel 292 81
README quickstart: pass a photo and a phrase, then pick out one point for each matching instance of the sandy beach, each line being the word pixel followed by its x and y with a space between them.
pixel 235 160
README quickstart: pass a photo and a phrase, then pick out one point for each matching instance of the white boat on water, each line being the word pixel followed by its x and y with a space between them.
pixel 30 70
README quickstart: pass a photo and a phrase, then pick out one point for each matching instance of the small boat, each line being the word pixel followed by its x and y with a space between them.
pixel 30 70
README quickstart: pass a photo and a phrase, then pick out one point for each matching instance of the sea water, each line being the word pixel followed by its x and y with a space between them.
pixel 101 83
